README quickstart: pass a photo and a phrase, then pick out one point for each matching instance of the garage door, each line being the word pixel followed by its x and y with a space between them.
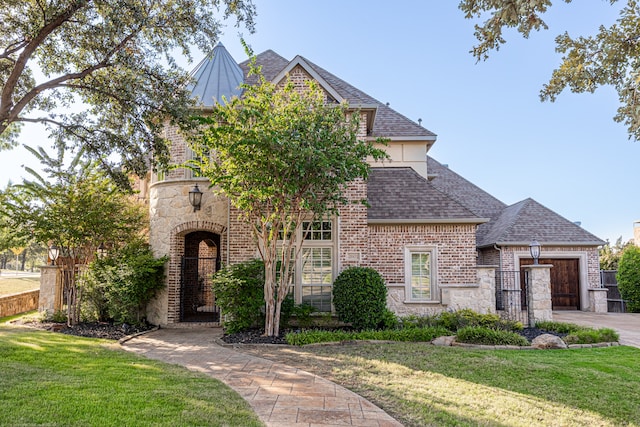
pixel 565 282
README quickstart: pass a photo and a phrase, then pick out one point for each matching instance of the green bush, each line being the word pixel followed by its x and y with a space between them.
pixel 628 278
pixel 389 320
pixel 591 336
pixel 559 327
pixel 120 286
pixel 487 336
pixel 360 297
pixel 455 320
pixel 407 335
pixel 239 291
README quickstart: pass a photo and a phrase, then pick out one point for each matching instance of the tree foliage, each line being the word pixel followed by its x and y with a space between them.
pixel 113 57
pixel 610 254
pixel 282 155
pixel 610 57
pixel 77 208
pixel 628 278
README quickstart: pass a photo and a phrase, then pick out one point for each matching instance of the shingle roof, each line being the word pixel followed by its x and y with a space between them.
pixel 217 76
pixel 388 122
pixel 527 220
pixel 397 194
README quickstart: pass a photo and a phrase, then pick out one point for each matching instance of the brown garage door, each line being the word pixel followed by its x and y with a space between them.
pixel 565 282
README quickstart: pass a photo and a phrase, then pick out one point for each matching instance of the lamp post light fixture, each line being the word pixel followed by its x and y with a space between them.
pixel 534 248
pixel 54 251
pixel 195 198
pixel 102 250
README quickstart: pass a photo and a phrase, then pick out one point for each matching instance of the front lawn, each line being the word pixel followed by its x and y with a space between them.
pixel 13 285
pixel 61 380
pixel 422 385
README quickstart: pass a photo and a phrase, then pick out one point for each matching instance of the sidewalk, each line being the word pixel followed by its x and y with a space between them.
pixel 280 395
pixel 626 324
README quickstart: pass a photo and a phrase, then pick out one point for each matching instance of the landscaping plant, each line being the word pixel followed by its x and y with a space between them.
pixel 628 278
pixel 360 297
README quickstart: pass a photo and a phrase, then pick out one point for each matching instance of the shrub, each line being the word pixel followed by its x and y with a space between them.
pixel 120 285
pixel 628 278
pixel 389 320
pixel 407 335
pixel 488 336
pixel 360 297
pixel 455 320
pixel 559 327
pixel 302 313
pixel 591 336
pixel 239 291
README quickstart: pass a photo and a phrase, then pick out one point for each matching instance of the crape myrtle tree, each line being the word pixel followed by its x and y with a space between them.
pixel 610 57
pixel 76 208
pixel 282 156
pixel 100 74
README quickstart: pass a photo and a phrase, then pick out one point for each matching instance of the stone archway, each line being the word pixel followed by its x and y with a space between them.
pixel 211 235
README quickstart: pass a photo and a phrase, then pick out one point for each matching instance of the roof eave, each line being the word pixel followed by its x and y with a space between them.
pixel 543 243
pixel 392 221
pixel 406 138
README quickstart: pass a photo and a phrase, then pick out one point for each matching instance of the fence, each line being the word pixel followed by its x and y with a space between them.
pixel 615 303
pixel 511 295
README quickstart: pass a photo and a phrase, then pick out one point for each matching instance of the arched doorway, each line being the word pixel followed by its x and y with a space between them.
pixel 200 261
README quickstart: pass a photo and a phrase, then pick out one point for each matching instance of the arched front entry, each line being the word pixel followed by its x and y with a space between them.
pixel 200 261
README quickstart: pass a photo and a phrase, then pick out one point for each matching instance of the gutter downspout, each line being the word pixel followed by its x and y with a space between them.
pixel 499 249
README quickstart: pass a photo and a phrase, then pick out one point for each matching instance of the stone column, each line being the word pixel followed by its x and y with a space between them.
pixel 487 284
pixel 49 300
pixel 539 293
pixel 598 300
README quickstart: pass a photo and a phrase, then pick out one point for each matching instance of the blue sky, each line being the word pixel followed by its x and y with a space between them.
pixel 492 129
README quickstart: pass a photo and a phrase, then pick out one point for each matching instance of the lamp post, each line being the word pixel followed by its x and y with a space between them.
pixel 195 198
pixel 102 250
pixel 534 248
pixel 54 251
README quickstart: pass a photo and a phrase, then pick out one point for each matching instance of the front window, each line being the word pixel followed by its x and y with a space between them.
pixel 420 275
pixel 314 272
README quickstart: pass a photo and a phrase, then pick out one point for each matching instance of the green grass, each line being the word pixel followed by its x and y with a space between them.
pixel 13 285
pixel 59 380
pixel 424 385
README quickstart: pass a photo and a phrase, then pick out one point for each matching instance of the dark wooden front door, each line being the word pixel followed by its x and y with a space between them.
pixel 565 282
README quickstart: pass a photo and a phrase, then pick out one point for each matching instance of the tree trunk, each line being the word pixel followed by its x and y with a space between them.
pixel 24 258
pixel 269 288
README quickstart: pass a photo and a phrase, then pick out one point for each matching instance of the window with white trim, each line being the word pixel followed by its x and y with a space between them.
pixel 420 275
pixel 314 273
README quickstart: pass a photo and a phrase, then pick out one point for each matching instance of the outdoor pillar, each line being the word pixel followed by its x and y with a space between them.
pixel 598 300
pixel 50 295
pixel 539 293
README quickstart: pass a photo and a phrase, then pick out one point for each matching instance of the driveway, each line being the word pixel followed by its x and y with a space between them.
pixel 626 324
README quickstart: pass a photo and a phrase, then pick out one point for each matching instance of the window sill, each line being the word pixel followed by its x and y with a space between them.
pixel 422 302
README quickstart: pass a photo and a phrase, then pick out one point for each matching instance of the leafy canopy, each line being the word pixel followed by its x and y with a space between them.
pixel 100 74
pixel 610 57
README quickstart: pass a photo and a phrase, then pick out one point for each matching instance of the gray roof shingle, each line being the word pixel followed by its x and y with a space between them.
pixel 527 220
pixel 398 194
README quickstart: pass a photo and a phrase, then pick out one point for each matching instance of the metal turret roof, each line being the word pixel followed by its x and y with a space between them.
pixel 217 76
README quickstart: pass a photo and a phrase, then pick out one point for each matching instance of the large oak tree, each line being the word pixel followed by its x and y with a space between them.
pixel 610 57
pixel 100 73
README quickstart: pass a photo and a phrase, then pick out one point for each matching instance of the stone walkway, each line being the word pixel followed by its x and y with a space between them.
pixel 626 324
pixel 281 395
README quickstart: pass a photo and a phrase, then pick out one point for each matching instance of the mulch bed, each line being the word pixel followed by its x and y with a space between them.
pixel 109 331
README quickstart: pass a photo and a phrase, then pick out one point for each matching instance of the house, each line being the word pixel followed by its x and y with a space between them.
pixel 439 241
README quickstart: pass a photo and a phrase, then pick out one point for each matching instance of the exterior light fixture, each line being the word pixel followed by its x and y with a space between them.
pixel 195 198
pixel 102 250
pixel 54 251
pixel 534 248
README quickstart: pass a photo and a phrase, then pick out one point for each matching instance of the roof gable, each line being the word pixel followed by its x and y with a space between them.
pixel 301 62
pixel 521 222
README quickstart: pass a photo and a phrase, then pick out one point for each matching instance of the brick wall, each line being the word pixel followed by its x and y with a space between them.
pixel 455 243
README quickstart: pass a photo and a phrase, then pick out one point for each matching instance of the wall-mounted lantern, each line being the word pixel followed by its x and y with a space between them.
pixel 195 198
pixel 534 248
pixel 54 251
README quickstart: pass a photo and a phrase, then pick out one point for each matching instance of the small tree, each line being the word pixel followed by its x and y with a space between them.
pixel 628 278
pixel 610 255
pixel 282 155
pixel 77 209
